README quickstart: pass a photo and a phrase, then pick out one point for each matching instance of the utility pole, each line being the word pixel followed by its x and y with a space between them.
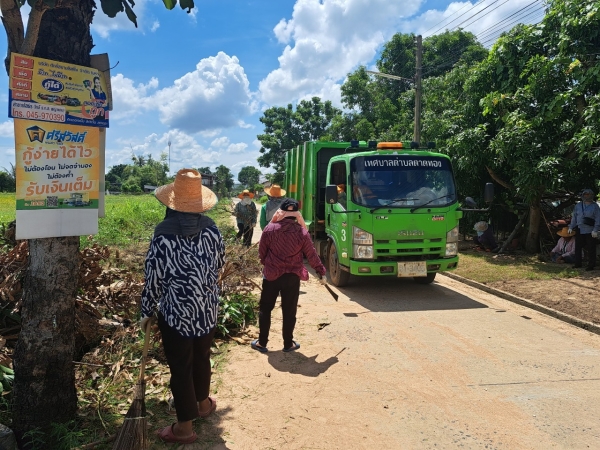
pixel 418 90
pixel 169 144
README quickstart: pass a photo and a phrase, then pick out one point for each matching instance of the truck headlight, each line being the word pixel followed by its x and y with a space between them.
pixel 452 242
pixel 362 237
pixel 451 249
pixel 363 251
pixel 452 235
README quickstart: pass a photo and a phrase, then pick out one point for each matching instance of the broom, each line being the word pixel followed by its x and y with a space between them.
pixel 134 432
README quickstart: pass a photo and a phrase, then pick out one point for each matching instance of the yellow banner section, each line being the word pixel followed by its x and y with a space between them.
pixel 52 91
pixel 57 165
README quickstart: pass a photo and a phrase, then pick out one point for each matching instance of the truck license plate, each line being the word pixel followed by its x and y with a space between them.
pixel 412 269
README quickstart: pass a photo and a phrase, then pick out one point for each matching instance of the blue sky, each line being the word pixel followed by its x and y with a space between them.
pixel 202 80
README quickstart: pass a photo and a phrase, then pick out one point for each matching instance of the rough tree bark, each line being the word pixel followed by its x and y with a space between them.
pixel 44 390
pixel 532 243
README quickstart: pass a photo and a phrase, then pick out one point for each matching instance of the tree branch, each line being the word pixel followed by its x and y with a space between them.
pixel 499 180
pixel 33 28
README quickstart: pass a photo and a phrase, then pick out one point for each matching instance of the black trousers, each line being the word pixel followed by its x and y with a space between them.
pixel 246 231
pixel 288 285
pixel 587 242
pixel 189 362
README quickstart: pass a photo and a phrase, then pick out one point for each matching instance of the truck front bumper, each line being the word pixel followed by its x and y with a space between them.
pixel 391 267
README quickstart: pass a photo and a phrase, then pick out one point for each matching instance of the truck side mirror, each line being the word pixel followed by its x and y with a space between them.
pixel 331 194
pixel 470 202
pixel 488 193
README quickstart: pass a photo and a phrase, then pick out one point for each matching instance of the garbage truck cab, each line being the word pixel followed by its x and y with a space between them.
pixel 377 209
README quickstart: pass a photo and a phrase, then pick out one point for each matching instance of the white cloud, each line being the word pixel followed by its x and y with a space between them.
pixel 130 100
pixel 155 26
pixel 237 148
pixel 215 95
pixel 327 39
pixel 485 23
pixel 7 129
pixel 220 142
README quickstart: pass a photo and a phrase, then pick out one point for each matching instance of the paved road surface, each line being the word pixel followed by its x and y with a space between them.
pixel 439 366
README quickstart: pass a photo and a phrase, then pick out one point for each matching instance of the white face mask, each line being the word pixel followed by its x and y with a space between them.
pixel 246 201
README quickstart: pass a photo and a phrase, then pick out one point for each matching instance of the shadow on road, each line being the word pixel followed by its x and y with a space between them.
pixel 392 294
pixel 297 363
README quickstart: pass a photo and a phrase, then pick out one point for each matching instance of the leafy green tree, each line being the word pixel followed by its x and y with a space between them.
pixel 223 182
pixel 204 170
pixel 44 387
pixel 530 108
pixel 388 104
pixel 8 182
pixel 249 176
pixel 286 128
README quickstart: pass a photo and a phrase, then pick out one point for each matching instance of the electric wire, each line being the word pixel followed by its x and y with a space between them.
pixel 446 18
pixel 519 12
pixel 466 12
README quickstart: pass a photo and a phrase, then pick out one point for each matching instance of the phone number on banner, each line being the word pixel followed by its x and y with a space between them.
pixel 20 112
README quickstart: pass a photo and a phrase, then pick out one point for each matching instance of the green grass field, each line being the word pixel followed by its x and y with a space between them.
pixel 129 219
pixel 7 207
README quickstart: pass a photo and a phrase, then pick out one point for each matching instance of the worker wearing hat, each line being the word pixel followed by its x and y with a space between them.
pixel 245 212
pixel 181 272
pixel 276 197
pixel 284 244
pixel 564 251
pixel 586 219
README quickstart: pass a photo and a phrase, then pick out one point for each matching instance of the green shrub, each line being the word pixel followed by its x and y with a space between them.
pixel 235 313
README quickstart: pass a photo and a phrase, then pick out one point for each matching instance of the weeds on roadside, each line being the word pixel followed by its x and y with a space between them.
pixel 59 437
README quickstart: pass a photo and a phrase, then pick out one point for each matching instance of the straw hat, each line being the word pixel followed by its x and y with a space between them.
pixel 481 226
pixel 275 191
pixel 564 232
pixel 246 192
pixel 186 193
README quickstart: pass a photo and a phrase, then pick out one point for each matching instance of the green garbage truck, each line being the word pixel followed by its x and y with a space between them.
pixel 377 209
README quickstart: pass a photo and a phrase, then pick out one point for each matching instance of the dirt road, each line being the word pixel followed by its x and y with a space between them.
pixel 396 365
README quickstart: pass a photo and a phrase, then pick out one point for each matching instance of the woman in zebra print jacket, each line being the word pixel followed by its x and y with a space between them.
pixel 182 268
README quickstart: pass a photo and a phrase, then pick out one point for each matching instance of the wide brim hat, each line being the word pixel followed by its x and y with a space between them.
pixel 246 192
pixel 564 232
pixel 186 193
pixel 275 191
pixel 480 226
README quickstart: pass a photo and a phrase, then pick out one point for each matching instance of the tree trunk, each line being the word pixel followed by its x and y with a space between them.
pixel 44 389
pixel 533 235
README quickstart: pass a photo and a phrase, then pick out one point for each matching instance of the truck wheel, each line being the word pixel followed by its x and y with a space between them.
pixel 425 280
pixel 337 276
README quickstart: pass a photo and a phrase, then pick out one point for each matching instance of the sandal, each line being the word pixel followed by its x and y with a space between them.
pixel 295 346
pixel 173 412
pixel 166 435
pixel 213 406
pixel 260 348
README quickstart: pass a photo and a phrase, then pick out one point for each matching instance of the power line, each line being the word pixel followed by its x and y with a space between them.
pixel 508 25
pixel 479 12
pixel 446 18
pixel 519 15
pixel 466 12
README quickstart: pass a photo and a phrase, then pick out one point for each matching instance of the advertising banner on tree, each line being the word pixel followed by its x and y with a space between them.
pixel 52 91
pixel 58 179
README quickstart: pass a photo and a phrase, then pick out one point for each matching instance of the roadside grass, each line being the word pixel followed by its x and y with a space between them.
pixel 106 375
pixel 488 268
pixel 7 207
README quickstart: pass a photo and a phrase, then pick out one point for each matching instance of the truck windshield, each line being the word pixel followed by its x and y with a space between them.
pixel 402 181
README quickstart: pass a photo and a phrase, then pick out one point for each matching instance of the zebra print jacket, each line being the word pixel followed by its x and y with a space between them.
pixel 181 280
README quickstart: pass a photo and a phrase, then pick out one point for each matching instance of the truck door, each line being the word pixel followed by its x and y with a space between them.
pixel 336 220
